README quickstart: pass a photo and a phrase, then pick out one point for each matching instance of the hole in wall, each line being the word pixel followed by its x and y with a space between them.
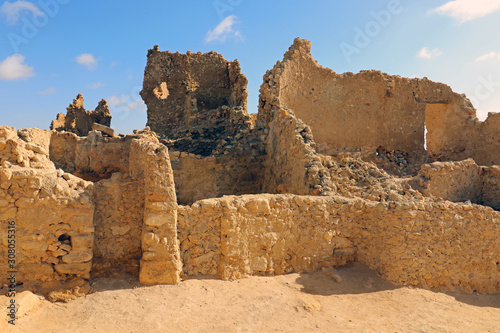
pixel 65 238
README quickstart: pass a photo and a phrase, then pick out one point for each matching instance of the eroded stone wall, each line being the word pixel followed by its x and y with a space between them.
pixel 438 245
pixel 490 195
pixel 51 212
pixel 182 90
pixel 383 117
pixel 453 136
pixel 293 165
pixel 78 120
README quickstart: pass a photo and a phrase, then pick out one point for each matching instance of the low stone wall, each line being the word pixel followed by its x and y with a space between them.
pixel 434 245
pixel 454 181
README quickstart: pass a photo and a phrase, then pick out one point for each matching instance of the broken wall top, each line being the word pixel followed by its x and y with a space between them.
pixel 78 120
pixel 179 89
pixel 368 110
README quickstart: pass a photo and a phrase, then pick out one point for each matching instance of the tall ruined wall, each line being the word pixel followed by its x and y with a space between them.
pixel 454 136
pixel 50 211
pixel 78 120
pixel 439 245
pixel 372 112
pixel 181 90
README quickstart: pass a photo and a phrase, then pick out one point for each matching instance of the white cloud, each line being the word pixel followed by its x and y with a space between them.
pixel 224 30
pixel 467 10
pixel 426 53
pixel 488 56
pixel 88 60
pixel 126 103
pixel 137 104
pixel 48 91
pixel 96 85
pixel 12 11
pixel 14 68
pixel 117 101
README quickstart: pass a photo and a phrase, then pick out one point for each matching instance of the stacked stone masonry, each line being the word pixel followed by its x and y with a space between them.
pixel 314 180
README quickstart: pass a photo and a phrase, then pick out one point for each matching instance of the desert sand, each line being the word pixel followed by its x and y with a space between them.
pixel 309 302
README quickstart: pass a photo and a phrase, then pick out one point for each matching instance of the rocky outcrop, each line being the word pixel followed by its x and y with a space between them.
pixel 78 120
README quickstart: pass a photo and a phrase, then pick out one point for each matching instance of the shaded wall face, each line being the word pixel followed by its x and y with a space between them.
pixel 179 87
pixel 353 112
pixel 455 136
pixel 118 220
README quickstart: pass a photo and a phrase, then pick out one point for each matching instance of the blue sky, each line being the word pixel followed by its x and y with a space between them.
pixel 51 50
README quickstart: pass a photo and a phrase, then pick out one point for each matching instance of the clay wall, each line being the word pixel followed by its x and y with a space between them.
pixel 454 181
pixel 455 137
pixel 118 220
pixel 51 211
pixel 293 166
pixel 232 237
pixel 94 157
pixel 374 113
pixel 179 89
pixel 490 194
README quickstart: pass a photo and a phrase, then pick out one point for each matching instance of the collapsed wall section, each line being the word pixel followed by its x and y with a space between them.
pixel 434 245
pixel 50 211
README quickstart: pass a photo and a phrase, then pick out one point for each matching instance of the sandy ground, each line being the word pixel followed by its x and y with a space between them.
pixel 313 302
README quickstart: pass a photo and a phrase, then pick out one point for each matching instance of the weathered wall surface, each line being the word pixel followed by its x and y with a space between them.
pixel 455 137
pixel 118 220
pixel 181 89
pixel 374 113
pixel 490 194
pixel 293 166
pixel 78 120
pixel 160 262
pixel 51 211
pixel 93 157
pixel 454 181
pixel 195 176
pixel 439 245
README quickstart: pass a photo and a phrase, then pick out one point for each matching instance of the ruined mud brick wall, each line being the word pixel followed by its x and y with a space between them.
pixel 78 120
pixel 197 104
pixel 438 245
pixel 454 181
pixel 180 89
pixel 161 262
pixel 490 195
pixel 118 220
pixel 370 110
pixel 52 212
pixel 293 166
pixel 455 137
pixel 93 157
pixel 460 181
